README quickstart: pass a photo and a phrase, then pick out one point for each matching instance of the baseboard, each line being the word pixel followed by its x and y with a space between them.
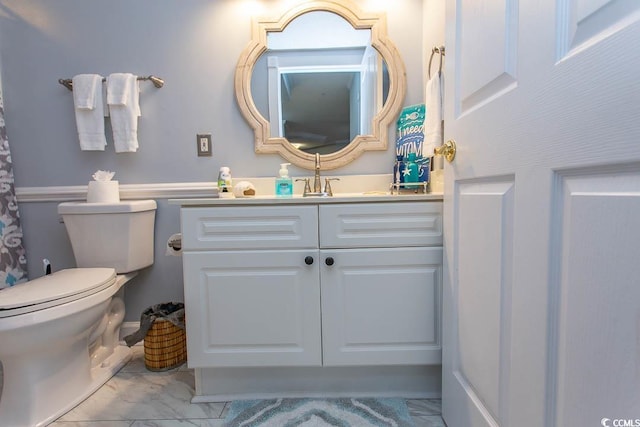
pixel 225 384
pixel 128 328
pixel 326 395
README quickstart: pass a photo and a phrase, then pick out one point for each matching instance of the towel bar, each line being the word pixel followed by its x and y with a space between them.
pixel 157 81
pixel 439 50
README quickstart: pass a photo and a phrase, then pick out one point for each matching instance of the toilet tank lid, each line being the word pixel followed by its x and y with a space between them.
pixel 56 286
pixel 97 208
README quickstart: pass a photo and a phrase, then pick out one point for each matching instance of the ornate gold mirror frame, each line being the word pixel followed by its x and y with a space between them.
pixel 264 143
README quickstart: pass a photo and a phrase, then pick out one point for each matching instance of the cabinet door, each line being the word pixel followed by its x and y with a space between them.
pixel 381 306
pixel 252 308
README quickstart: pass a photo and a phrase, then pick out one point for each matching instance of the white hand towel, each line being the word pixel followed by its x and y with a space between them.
pixel 118 86
pixel 123 96
pixel 89 111
pixel 433 114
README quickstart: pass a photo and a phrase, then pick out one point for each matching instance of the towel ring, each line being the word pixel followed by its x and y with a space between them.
pixel 439 50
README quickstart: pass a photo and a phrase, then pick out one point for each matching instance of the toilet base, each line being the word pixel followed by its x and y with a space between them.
pixel 99 376
pixel 55 358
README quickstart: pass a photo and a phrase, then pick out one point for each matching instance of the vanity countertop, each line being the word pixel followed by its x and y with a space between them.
pixel 369 197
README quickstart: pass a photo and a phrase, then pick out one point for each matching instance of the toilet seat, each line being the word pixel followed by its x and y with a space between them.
pixel 54 289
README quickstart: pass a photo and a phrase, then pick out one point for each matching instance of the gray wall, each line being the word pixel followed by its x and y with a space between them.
pixel 194 46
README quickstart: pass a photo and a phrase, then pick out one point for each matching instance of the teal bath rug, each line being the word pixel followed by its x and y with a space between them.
pixel 319 413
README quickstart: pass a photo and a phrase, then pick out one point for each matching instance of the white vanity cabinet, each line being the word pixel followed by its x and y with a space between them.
pixel 252 295
pixel 313 284
pixel 381 294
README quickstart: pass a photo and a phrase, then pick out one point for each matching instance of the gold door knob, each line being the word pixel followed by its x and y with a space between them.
pixel 448 150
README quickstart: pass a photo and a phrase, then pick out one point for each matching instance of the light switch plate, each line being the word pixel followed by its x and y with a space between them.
pixel 203 141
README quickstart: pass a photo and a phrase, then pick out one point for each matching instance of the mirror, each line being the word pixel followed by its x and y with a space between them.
pixel 320 111
pixel 322 78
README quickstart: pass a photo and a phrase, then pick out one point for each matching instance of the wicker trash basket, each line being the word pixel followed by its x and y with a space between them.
pixel 165 346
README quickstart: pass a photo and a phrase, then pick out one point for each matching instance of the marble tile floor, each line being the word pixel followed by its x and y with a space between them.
pixel 136 397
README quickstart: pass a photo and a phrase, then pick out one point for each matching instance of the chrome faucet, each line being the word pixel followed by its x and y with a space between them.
pixel 317 186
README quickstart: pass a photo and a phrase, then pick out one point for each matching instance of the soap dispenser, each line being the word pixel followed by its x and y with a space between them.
pixel 284 183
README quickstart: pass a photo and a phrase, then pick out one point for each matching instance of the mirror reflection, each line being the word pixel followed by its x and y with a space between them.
pixel 320 83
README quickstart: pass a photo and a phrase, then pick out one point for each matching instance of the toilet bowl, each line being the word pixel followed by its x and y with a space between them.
pixel 59 334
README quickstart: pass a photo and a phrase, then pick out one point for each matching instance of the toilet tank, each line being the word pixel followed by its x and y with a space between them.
pixel 117 235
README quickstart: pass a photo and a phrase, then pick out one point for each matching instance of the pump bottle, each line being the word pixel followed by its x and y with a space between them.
pixel 284 183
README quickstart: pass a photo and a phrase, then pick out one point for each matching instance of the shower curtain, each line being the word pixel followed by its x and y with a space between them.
pixel 13 259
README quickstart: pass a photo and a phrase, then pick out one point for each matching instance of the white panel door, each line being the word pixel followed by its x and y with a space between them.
pixel 541 289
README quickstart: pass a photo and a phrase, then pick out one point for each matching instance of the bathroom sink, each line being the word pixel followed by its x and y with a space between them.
pixel 362 194
pixel 339 195
pixel 321 194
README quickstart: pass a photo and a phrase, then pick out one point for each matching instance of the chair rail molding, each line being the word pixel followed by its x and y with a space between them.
pixel 127 191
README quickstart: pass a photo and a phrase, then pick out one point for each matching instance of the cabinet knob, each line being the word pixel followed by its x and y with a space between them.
pixel 329 261
pixel 308 260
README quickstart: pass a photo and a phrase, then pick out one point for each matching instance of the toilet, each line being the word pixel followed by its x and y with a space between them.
pixel 59 334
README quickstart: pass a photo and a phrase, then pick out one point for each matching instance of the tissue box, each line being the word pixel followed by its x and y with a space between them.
pixel 103 192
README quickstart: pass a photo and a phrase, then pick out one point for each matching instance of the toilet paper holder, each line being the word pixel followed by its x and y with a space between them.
pixel 174 244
